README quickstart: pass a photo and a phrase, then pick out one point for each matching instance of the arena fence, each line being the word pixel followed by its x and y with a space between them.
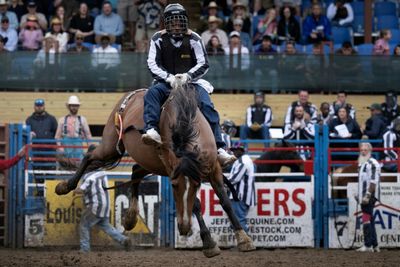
pixel 38 71
pixel 289 212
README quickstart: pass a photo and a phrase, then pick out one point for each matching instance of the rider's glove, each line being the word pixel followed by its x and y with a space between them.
pixel 171 79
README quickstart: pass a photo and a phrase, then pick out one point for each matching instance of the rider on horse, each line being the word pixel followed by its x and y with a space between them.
pixel 178 52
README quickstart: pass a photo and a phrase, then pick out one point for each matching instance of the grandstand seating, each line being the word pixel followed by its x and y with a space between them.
pixel 97 106
pixel 387 22
pixel 358 8
pixel 340 35
pixel 364 49
pixel 385 8
pixel 395 37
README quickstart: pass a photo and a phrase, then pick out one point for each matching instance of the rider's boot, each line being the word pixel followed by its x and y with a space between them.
pixel 152 137
pixel 224 158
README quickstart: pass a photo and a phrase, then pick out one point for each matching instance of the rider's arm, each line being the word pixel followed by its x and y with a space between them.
pixel 201 66
pixel 268 118
pixel 154 59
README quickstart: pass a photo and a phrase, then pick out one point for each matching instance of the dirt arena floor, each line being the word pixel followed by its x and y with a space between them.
pixel 169 257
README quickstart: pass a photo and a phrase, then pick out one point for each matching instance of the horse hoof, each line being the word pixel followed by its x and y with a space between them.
pixel 212 252
pixel 62 188
pixel 244 242
pixel 130 220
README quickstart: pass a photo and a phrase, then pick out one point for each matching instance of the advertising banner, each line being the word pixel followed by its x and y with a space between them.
pixel 348 230
pixel 282 217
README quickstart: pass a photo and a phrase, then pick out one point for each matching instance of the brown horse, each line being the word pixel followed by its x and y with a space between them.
pixel 188 155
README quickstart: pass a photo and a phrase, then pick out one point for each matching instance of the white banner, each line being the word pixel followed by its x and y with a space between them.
pixel 281 218
pixel 386 217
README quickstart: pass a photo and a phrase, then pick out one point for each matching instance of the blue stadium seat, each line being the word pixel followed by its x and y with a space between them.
pixel 385 8
pixel 365 49
pixel 387 22
pixel 254 24
pixel 358 8
pixel 395 37
pixel 336 47
pixel 340 35
pixel 359 22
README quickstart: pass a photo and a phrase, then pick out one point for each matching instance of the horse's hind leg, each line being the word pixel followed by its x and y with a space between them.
pixel 210 248
pixel 244 242
pixel 131 215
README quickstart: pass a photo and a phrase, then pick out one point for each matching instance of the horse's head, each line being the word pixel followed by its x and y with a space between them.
pixel 185 191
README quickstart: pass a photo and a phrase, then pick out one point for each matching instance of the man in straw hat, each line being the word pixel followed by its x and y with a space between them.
pixel 41 19
pixel 213 29
pixel 12 17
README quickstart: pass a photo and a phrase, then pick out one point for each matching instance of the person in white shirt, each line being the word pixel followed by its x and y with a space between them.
pixel 242 178
pixel 368 192
pixel 58 34
pixel 340 13
pixel 213 29
pixel 11 34
pixel 105 56
pixel 235 47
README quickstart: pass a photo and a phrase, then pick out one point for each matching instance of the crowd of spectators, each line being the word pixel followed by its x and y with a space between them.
pixel 227 27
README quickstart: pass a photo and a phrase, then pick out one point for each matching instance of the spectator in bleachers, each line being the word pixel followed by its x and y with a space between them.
pixel 288 26
pixel 381 46
pixel 258 120
pixel 65 21
pixel 150 14
pixel 324 117
pixel 396 50
pixel 12 17
pixel 58 34
pixel 390 109
pixel 316 26
pixel 105 57
pixel 290 48
pixel 128 10
pixel 9 33
pixel 70 7
pixel 239 12
pixel 344 127
pixel 341 102
pixel 376 125
pixel 72 129
pixel 212 10
pixel 31 36
pixel 346 49
pixel 108 23
pixel 235 45
pixel 310 110
pixel 46 57
pixel 260 7
pixel 213 29
pixel 300 127
pixel 244 36
pixel 266 26
pixel 295 4
pixel 222 5
pixel 3 41
pixel 82 24
pixel 93 6
pixel 77 46
pixel 214 47
pixel 265 48
pixel 340 13
pixel 32 11
pixel 391 139
pixel 18 7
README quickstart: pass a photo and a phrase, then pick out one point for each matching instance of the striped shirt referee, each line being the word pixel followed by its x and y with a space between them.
pixel 369 172
pixel 96 198
pixel 242 178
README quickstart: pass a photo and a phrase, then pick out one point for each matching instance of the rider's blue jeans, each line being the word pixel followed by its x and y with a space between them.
pixel 88 220
pixel 158 94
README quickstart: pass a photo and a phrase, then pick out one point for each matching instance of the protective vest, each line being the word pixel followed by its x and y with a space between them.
pixel 341 13
pixel 177 59
pixel 258 113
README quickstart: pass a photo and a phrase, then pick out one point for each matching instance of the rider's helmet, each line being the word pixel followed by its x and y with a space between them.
pixel 229 127
pixel 175 20
pixel 238 145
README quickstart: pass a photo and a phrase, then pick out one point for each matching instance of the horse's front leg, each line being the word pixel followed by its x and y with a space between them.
pixel 65 187
pixel 244 242
pixel 138 173
pixel 210 248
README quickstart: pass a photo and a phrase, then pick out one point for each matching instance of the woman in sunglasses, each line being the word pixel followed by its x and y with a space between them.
pixel 31 35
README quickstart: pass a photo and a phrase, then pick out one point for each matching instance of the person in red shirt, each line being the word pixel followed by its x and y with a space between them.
pixel 8 163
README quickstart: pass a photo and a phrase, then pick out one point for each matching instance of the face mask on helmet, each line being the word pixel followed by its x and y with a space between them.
pixel 229 127
pixel 175 20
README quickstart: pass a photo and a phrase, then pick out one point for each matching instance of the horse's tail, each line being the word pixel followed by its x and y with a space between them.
pixel 184 133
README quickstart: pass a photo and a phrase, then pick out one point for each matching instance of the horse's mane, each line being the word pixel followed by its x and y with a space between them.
pixel 184 132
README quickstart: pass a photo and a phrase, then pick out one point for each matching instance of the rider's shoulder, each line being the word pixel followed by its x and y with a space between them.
pixel 193 35
pixel 158 35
